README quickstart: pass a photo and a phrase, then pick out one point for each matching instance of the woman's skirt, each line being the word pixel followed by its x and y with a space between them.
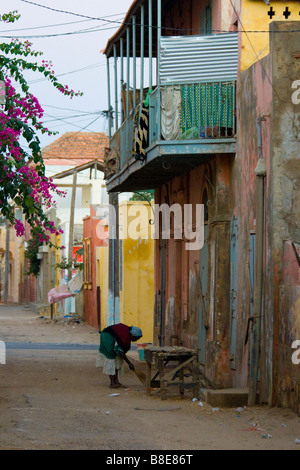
pixel 110 366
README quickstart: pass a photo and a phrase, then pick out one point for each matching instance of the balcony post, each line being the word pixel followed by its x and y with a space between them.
pixel 134 59
pixel 150 43
pixel 122 77
pixel 158 65
pixel 116 88
pixel 108 97
pixel 142 51
pixel 128 70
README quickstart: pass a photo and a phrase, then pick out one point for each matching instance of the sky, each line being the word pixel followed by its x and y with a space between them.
pixel 76 55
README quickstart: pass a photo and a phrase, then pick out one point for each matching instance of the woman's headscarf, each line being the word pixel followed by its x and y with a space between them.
pixel 136 332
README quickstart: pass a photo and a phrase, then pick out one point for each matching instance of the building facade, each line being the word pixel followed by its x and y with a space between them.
pixel 216 127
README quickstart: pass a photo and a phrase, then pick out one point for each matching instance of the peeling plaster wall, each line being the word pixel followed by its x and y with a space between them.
pixel 182 267
pixel 286 216
pixel 266 87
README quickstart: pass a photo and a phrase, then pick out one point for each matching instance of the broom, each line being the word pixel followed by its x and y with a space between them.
pixel 138 372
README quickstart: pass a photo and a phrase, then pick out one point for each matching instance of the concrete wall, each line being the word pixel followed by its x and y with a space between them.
pixel 266 88
pixel 286 214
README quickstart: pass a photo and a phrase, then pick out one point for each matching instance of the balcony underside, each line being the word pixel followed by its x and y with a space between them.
pixel 166 160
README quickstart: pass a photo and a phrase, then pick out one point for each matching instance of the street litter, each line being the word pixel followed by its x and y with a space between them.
pixel 200 403
pixel 266 436
pixel 254 427
pixel 114 394
pixel 297 441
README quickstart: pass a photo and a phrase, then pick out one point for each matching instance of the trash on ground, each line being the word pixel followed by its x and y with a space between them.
pixel 159 409
pixel 266 436
pixel 114 394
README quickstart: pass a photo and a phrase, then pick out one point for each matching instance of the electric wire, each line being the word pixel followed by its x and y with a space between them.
pixel 137 24
pixel 59 24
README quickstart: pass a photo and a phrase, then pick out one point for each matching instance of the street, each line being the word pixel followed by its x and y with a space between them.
pixel 53 397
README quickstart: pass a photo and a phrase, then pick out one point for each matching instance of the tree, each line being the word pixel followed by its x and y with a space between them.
pixel 22 173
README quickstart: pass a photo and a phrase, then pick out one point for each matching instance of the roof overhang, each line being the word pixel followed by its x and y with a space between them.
pixel 134 10
pixel 94 164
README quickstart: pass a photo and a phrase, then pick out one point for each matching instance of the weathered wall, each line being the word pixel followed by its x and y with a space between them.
pixel 254 97
pixel 255 45
pixel 90 235
pixel 286 214
pixel 266 89
pixel 183 322
pixel 187 16
pixel 137 267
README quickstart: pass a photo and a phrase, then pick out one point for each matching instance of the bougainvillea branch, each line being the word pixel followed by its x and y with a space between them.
pixel 23 181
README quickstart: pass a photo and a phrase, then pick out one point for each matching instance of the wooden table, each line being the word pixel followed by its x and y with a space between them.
pixel 171 375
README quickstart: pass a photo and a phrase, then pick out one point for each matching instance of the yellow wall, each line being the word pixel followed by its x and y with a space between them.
pixel 102 281
pixel 255 17
pixel 137 268
pixel 136 271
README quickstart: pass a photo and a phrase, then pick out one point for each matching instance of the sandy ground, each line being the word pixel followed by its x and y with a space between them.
pixel 59 400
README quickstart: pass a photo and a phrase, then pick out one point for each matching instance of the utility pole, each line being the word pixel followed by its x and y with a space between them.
pixel 71 228
pixel 6 275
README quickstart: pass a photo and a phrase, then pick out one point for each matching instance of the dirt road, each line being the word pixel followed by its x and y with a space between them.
pixel 57 399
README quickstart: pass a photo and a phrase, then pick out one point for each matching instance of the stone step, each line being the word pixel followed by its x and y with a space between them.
pixel 228 397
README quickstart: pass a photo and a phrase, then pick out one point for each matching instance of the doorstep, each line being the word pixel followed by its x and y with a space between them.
pixel 228 397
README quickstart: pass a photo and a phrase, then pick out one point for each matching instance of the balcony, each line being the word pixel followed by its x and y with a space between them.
pixel 187 124
pixel 186 119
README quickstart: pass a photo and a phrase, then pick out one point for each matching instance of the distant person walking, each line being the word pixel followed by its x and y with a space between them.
pixel 115 342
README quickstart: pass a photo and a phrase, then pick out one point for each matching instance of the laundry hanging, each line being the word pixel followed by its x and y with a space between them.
pixel 141 130
pixel 206 105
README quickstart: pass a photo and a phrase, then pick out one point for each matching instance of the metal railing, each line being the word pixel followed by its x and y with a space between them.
pixel 204 110
pixel 188 111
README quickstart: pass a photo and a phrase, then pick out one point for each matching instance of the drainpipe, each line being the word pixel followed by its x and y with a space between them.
pixel 260 172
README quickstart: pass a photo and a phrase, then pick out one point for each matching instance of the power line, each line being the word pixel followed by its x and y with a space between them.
pixel 94 29
pixel 88 67
pixel 70 109
pixel 59 24
pixel 75 133
pixel 137 24
pixel 261 52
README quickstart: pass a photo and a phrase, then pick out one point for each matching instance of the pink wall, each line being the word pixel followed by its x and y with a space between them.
pixel 90 292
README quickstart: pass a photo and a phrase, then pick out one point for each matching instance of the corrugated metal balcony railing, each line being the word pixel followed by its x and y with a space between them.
pixel 202 111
